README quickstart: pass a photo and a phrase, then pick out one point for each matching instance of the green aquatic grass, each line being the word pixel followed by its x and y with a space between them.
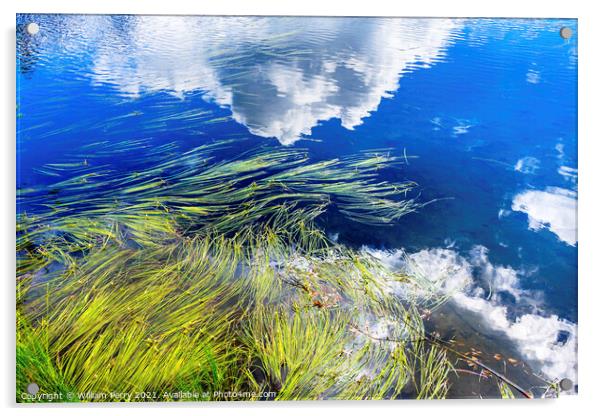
pixel 505 390
pixel 228 195
pixel 298 353
pixel 34 362
pixel 196 275
pixel 218 314
pixel 140 320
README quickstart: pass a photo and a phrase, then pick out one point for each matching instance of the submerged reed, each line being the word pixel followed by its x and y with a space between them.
pixel 197 275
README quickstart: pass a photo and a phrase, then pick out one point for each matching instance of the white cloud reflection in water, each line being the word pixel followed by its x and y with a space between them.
pixel 280 77
pixel 546 341
pixel 554 209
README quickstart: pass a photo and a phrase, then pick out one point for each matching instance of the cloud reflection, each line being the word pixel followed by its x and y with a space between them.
pixel 280 77
pixel 554 209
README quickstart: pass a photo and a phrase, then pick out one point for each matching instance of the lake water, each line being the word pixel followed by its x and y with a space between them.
pixel 484 109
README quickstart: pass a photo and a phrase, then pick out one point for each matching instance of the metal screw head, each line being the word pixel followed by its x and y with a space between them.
pixel 33 388
pixel 566 384
pixel 33 28
pixel 566 32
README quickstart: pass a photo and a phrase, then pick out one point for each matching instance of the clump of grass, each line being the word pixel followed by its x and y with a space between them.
pixel 144 318
pixel 433 368
pixel 298 352
pixel 209 312
pixel 212 276
pixel 225 196
pixel 34 362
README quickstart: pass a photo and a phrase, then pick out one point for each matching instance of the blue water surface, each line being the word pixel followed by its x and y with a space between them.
pixel 484 109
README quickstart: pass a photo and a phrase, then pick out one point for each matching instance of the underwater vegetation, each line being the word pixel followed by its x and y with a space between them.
pixel 198 275
pixel 170 239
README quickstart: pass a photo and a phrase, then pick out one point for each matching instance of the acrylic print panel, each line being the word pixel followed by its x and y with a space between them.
pixel 295 208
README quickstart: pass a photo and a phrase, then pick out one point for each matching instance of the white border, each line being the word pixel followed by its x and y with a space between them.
pixel 590 176
pixel 457 8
